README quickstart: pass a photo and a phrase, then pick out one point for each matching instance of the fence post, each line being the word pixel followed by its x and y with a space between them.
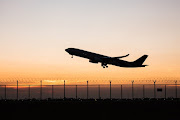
pixel 154 88
pixel 64 90
pixel 29 93
pixel 17 90
pixel 52 92
pixel 121 91
pixel 110 89
pixel 132 90
pixel 165 92
pixel 87 90
pixel 143 92
pixel 76 91
pixel 99 93
pixel 41 90
pixel 5 92
pixel 176 88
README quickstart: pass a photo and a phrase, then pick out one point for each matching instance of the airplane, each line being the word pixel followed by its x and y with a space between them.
pixel 105 60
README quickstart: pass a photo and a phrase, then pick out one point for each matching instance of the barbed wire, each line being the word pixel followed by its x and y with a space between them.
pixel 57 80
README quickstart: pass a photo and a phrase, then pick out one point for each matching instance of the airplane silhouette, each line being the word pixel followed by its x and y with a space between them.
pixel 104 60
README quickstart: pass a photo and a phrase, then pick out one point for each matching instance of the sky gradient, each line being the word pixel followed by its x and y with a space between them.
pixel 34 35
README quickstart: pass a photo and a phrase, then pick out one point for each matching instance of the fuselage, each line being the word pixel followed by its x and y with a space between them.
pixel 96 58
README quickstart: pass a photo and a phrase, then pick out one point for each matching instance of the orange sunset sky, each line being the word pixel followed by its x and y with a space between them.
pixel 34 35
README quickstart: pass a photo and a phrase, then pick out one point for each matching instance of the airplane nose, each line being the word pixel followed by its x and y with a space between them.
pixel 66 50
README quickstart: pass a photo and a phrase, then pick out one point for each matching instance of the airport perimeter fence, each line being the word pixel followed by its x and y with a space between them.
pixel 90 91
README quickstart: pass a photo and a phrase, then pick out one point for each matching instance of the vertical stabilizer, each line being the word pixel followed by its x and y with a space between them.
pixel 141 60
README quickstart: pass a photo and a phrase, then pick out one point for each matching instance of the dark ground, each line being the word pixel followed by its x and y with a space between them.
pixel 91 109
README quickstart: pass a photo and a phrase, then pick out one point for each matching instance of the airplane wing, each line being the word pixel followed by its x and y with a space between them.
pixel 108 58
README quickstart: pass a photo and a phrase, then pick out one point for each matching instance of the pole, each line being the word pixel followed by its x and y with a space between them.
pixel 121 91
pixel 132 90
pixel 87 89
pixel 5 93
pixel 64 90
pixel 76 91
pixel 110 89
pixel 165 92
pixel 154 89
pixel 41 90
pixel 29 92
pixel 17 90
pixel 99 93
pixel 176 88
pixel 143 92
pixel 52 92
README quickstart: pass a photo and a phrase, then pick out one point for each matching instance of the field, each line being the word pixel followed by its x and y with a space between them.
pixel 91 109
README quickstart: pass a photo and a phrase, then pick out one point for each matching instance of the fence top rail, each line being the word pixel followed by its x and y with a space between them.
pixel 90 85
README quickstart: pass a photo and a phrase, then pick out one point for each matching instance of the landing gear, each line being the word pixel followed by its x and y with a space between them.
pixel 72 56
pixel 104 65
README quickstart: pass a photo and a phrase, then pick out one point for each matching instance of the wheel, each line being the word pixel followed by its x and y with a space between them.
pixel 106 66
pixel 103 66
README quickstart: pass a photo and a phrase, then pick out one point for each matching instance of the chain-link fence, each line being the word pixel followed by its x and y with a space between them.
pixel 90 91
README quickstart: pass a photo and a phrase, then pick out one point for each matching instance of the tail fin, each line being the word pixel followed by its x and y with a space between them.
pixel 141 60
